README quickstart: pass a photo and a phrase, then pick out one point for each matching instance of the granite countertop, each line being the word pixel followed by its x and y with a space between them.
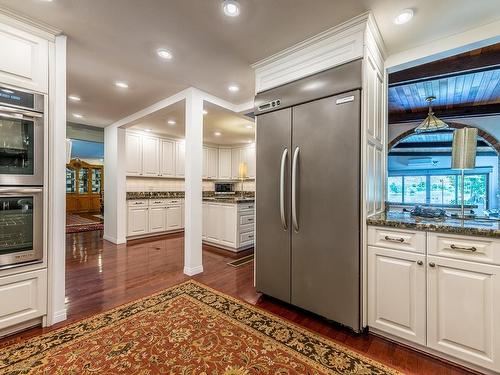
pixel 403 220
pixel 154 194
pixel 230 199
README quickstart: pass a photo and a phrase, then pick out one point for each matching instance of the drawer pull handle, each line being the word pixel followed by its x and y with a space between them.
pixel 432 264
pixel 455 247
pixel 387 238
pixel 419 262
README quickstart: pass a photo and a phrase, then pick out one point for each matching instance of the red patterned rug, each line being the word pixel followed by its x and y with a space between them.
pixel 188 329
pixel 77 223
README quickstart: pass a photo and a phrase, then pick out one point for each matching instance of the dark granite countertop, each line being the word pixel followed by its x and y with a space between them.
pixel 207 196
pixel 403 220
pixel 230 200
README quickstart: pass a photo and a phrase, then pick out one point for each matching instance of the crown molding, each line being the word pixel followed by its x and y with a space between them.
pixel 30 25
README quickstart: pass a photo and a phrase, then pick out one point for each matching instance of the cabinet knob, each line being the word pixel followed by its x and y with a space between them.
pixel 432 264
pixel 419 262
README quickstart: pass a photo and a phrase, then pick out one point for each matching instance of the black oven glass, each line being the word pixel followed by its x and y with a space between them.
pixel 16 224
pixel 16 146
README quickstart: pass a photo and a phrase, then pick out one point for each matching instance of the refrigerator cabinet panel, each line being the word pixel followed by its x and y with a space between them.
pixel 272 245
pixel 325 264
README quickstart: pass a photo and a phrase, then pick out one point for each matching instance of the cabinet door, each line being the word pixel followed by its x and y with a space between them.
pixel 180 150
pixel 205 163
pixel 24 59
pixel 167 165
pixel 213 225
pixel 138 221
pixel 157 219
pixel 228 221
pixel 463 302
pixel 212 163
pixel 23 297
pixel 225 163
pixel 133 150
pixel 250 160
pixel 235 162
pixel 204 221
pixel 174 217
pixel 150 156
pixel 396 293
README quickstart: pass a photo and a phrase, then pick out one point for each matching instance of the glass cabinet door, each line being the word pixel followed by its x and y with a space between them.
pixel 83 181
pixel 16 146
pixel 70 180
pixel 96 180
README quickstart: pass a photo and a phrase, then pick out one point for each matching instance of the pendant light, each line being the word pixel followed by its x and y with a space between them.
pixel 431 122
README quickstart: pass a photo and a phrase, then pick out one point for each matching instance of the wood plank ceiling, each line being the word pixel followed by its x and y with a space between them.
pixel 464 85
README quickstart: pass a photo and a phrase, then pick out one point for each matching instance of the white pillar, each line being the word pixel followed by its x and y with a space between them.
pixel 56 228
pixel 115 215
pixel 193 183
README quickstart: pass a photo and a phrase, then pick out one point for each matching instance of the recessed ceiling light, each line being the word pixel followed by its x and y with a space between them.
pixel 217 134
pixel 121 84
pixel 164 53
pixel 147 130
pixel 233 88
pixel 171 122
pixel 205 112
pixel 404 16
pixel 249 126
pixel 77 115
pixel 231 8
pixel 74 98
pixel 249 141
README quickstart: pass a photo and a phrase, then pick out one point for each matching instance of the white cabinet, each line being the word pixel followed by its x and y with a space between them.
pixel 241 155
pixel 167 162
pixel 397 293
pixel 180 151
pixel 157 219
pixel 235 162
pixel 174 216
pixel 205 218
pixel 150 156
pixel 24 59
pixel 138 220
pixel 210 162
pixel 225 163
pixel 228 233
pixel 212 229
pixel 464 310
pixel 23 297
pixel 133 150
pixel 250 160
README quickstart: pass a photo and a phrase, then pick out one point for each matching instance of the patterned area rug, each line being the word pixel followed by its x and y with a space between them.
pixel 77 223
pixel 187 329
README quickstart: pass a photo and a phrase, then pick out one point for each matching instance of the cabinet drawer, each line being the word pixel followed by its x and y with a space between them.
pixel 246 237
pixel 246 206
pixel 478 249
pixel 138 202
pixel 174 201
pixel 157 202
pixel 398 239
pixel 244 228
pixel 246 219
pixel 26 294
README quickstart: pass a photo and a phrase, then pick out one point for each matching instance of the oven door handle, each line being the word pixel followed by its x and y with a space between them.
pixel 18 113
pixel 18 190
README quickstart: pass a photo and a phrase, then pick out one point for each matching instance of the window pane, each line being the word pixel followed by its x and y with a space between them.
pixel 443 190
pixel 415 189
pixel 395 189
pixel 475 190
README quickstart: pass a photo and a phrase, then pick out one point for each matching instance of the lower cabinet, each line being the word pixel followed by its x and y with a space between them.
pixel 138 221
pixel 397 293
pixel 157 219
pixel 148 218
pixel 174 217
pixel 463 305
pixel 23 297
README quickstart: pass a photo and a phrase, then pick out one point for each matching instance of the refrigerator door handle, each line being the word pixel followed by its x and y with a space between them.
pixel 294 189
pixel 284 155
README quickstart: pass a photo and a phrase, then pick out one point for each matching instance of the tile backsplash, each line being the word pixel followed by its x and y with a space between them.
pixel 174 184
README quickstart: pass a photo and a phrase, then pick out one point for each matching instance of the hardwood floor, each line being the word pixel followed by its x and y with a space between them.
pixel 101 275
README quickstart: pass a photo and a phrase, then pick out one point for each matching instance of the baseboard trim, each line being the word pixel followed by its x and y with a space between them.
pixel 191 271
pixel 114 240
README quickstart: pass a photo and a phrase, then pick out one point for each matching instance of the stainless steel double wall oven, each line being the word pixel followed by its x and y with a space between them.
pixel 21 177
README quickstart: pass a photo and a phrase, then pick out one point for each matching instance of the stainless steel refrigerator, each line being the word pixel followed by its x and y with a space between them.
pixel 308 193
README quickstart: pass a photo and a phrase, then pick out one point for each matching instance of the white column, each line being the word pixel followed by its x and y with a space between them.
pixel 193 183
pixel 115 215
pixel 56 192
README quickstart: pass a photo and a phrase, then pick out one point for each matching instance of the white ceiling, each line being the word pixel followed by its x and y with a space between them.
pixel 235 129
pixel 112 40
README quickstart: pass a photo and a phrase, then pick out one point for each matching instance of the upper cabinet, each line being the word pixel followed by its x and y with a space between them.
pixel 24 60
pixel 151 156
